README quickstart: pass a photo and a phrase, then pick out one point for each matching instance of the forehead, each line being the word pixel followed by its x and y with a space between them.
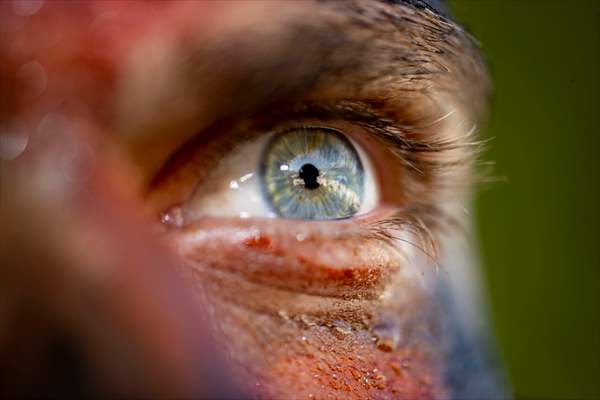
pixel 297 42
pixel 112 29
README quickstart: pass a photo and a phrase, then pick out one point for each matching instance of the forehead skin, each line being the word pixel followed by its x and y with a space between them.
pixel 151 75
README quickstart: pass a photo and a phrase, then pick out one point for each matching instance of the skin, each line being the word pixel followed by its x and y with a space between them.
pixel 108 263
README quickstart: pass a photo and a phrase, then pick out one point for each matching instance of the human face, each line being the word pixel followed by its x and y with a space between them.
pixel 142 121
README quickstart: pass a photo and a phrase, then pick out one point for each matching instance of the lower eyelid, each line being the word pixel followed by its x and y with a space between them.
pixel 342 262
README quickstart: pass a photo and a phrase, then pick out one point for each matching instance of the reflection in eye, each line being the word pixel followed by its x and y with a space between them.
pixel 311 173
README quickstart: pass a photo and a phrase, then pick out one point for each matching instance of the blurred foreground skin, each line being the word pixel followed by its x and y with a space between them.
pixel 99 297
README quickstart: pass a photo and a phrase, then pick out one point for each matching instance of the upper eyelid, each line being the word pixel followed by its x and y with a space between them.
pixel 392 132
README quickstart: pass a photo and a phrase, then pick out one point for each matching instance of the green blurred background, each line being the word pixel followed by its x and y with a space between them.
pixel 539 228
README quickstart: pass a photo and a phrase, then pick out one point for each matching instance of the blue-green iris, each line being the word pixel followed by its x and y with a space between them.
pixel 312 173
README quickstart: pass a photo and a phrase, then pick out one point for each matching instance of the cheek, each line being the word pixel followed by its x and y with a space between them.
pixel 325 348
pixel 305 330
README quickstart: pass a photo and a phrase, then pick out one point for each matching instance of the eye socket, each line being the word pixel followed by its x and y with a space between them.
pixel 307 172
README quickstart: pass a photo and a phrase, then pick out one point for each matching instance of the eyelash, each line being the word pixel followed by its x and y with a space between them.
pixel 431 165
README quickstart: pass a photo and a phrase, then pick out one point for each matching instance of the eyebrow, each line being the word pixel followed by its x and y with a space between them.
pixel 354 50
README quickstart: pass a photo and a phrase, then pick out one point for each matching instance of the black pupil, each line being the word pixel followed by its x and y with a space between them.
pixel 309 173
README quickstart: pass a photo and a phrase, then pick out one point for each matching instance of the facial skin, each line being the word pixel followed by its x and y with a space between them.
pixel 127 108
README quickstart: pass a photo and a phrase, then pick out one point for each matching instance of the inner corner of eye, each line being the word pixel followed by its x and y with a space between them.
pixel 301 173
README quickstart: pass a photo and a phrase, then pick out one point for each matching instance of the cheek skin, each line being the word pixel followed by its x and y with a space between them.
pixel 363 326
pixel 299 357
pixel 289 256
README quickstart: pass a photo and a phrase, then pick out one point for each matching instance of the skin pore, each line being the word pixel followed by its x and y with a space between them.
pixel 378 305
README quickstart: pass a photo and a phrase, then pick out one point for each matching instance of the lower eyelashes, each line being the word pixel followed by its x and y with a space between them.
pixel 312 173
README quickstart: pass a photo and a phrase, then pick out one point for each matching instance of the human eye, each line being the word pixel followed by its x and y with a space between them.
pixel 303 172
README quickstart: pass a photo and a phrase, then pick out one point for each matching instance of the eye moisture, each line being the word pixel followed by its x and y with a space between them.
pixel 323 178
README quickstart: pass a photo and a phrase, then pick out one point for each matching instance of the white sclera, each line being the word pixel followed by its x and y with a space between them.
pixel 371 189
pixel 234 188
